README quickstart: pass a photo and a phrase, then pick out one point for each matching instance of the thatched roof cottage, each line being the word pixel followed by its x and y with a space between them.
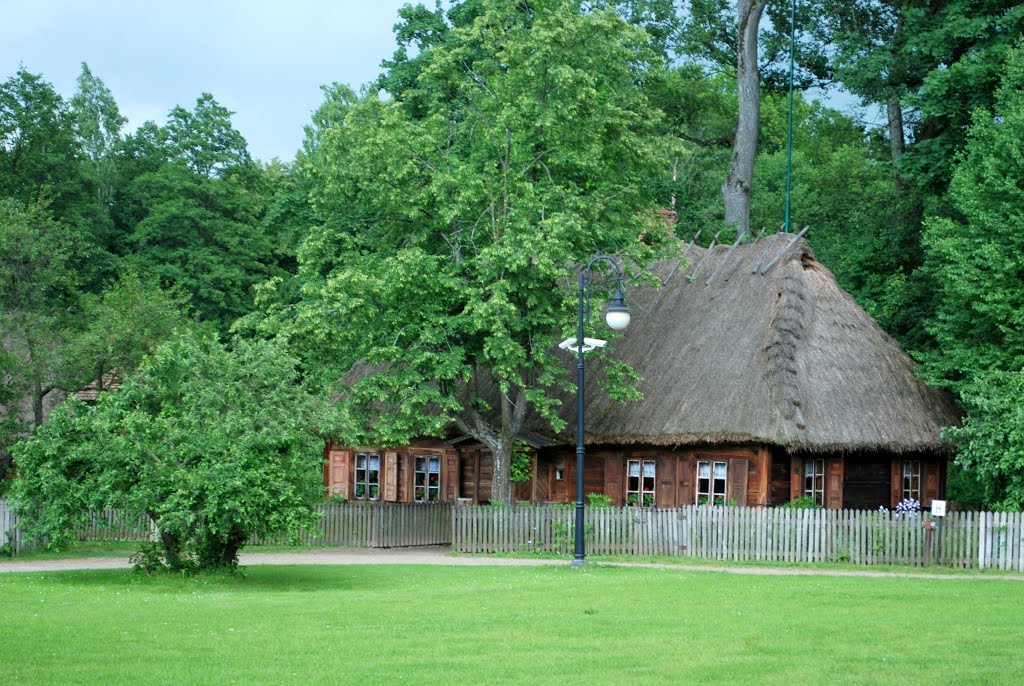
pixel 763 381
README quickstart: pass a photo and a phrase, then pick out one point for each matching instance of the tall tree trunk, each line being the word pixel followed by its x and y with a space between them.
pixel 897 144
pixel 37 403
pixel 738 183
pixel 501 442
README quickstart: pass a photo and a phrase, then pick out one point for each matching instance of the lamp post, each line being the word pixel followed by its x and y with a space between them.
pixel 617 318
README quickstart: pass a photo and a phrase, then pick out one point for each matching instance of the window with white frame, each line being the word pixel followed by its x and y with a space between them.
pixel 426 482
pixel 711 482
pixel 814 480
pixel 640 483
pixel 367 477
pixel 911 479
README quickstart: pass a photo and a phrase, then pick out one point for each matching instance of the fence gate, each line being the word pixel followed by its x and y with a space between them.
pixel 9 528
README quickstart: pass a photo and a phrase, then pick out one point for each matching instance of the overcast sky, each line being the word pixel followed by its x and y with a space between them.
pixel 263 59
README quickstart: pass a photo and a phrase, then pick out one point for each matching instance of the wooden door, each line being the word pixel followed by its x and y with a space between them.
pixel 932 478
pixel 736 484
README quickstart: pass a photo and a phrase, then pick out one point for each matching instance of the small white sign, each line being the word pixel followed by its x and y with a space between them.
pixel 938 508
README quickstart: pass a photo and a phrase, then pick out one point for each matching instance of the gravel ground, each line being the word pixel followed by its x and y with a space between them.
pixel 442 555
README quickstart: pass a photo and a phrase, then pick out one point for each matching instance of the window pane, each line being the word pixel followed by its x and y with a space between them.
pixel 435 464
pixel 648 468
pixel 374 461
pixel 719 470
pixel 703 470
pixel 634 468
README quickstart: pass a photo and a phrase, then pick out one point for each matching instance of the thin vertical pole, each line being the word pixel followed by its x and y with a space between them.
pixel 579 557
pixel 789 135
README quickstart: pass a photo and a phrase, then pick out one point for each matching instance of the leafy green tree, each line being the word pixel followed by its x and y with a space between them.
pixel 420 30
pixel 975 261
pixel 731 38
pixel 120 327
pixel 708 36
pixel 215 444
pixel 975 256
pixel 204 138
pixel 97 124
pixel 41 162
pixel 39 290
pixel 936 60
pixel 529 150
pixel 200 225
pixel 39 158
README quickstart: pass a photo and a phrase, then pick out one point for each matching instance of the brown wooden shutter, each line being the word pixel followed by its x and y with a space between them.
pixel 613 488
pixel 736 485
pixel 897 483
pixel 796 478
pixel 340 476
pixel 665 476
pixel 834 471
pixel 390 476
pixel 931 483
pixel 450 476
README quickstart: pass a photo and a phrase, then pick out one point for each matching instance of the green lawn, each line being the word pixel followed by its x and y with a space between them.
pixel 531 625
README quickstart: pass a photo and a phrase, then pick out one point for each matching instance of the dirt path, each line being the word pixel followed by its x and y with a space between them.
pixel 442 555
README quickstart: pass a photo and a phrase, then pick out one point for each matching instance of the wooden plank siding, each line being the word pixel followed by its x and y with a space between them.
pixel 756 475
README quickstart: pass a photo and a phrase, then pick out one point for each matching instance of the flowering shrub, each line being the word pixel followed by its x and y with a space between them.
pixel 908 506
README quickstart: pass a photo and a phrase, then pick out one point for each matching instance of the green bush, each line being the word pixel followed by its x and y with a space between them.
pixel 805 502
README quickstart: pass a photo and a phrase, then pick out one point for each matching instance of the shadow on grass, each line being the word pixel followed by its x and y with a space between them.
pixel 262 579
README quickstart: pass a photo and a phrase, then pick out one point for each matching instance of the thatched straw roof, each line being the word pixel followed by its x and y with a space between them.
pixel 758 343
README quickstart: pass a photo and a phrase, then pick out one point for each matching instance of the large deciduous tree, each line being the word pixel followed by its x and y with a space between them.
pixel 457 211
pixel 199 212
pixel 39 291
pixel 215 444
pixel 739 181
pixel 975 260
pixel 97 123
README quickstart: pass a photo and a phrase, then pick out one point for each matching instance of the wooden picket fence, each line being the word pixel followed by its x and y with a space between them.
pixel 983 540
pixel 736 534
pixel 366 526
pixel 9 538
pixel 114 525
pixel 385 525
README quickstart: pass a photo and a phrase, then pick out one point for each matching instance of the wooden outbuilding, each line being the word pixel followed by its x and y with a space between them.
pixel 763 381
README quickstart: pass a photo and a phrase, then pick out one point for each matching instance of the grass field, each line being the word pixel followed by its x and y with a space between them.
pixel 532 625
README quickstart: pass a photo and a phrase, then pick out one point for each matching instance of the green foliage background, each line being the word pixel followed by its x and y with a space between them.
pixel 427 231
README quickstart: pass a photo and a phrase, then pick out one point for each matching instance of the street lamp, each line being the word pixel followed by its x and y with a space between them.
pixel 617 317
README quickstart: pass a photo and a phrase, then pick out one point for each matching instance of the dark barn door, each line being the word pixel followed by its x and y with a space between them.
pixel 866 485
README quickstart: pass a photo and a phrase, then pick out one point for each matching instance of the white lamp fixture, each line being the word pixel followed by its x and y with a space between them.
pixel 617 314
